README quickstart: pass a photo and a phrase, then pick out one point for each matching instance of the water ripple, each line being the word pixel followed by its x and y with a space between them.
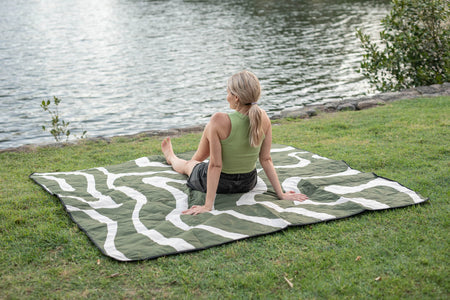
pixel 125 66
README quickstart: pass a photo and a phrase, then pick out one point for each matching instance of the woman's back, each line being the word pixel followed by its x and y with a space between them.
pixel 237 154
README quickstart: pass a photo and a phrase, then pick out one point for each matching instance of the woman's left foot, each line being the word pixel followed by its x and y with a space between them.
pixel 166 147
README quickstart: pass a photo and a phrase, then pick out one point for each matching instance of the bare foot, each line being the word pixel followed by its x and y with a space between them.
pixel 166 147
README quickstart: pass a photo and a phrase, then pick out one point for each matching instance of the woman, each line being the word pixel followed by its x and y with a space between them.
pixel 233 142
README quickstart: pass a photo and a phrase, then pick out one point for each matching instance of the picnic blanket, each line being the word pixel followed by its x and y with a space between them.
pixel 132 211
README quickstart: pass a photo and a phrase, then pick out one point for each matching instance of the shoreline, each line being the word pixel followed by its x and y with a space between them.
pixel 366 102
pixel 308 111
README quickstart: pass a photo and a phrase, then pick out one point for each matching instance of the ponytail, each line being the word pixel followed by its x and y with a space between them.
pixel 256 128
pixel 246 86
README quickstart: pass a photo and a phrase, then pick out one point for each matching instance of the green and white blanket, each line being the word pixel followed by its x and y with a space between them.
pixel 132 211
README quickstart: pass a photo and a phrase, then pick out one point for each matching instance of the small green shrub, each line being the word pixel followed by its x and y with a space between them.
pixel 59 128
pixel 415 46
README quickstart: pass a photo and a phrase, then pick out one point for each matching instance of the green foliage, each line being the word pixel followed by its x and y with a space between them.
pixel 415 48
pixel 59 128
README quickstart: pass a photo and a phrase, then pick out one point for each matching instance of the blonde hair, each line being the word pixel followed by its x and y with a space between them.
pixel 245 85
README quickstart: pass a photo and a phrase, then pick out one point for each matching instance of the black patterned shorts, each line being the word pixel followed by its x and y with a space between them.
pixel 228 183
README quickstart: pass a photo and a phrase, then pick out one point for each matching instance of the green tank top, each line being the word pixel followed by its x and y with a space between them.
pixel 237 154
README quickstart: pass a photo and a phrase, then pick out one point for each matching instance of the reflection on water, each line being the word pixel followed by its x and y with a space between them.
pixel 125 66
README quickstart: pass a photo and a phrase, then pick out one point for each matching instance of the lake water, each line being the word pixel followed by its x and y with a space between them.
pixel 126 66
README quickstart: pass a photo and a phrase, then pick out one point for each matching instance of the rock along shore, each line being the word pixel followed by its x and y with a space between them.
pixel 303 112
pixel 365 102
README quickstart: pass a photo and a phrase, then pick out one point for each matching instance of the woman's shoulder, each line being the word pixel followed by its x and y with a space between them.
pixel 220 123
pixel 266 123
pixel 219 118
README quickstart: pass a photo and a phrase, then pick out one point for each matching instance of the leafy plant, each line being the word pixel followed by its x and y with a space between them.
pixel 415 48
pixel 59 128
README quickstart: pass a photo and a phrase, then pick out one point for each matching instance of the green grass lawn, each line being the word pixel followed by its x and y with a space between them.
pixel 394 254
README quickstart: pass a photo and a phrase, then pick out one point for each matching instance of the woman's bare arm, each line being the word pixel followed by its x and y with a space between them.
pixel 266 162
pixel 213 132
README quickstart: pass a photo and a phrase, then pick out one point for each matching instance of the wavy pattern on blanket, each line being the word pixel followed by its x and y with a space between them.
pixel 132 211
